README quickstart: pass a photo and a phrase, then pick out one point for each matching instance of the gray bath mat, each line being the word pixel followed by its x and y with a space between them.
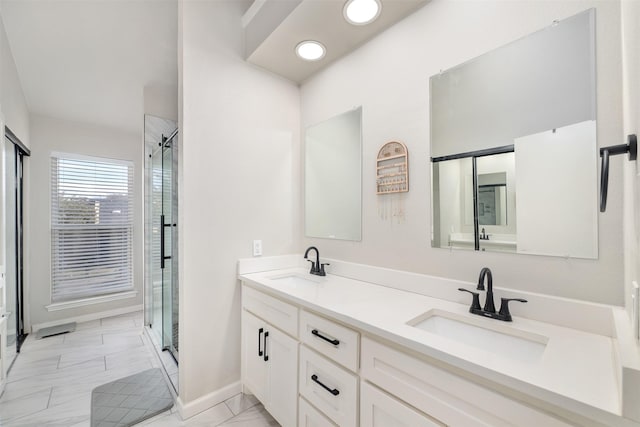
pixel 130 400
pixel 55 330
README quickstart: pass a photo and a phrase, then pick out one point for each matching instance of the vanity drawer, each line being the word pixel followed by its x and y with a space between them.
pixel 280 314
pixel 442 395
pixel 334 341
pixel 378 409
pixel 330 388
pixel 308 416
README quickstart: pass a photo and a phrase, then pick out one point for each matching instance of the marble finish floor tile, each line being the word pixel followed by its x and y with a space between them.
pixel 51 380
pixel 25 405
pixel 241 402
pixel 256 416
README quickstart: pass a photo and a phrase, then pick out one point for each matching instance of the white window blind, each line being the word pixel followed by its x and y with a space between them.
pixel 91 227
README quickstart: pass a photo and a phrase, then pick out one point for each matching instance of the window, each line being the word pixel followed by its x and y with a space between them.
pixel 91 227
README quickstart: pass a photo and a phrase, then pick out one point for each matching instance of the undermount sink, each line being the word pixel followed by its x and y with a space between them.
pixel 294 280
pixel 500 339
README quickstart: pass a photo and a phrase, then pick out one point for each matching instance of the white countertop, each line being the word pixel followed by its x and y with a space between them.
pixel 578 371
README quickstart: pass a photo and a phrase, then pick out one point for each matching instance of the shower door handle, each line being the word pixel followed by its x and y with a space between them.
pixel 163 258
pixel 162 241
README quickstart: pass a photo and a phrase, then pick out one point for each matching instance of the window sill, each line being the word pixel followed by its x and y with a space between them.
pixel 89 301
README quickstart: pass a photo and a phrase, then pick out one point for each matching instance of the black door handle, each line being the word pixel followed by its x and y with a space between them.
pixel 333 391
pixel 329 340
pixel 266 335
pixel 260 331
pixel 162 258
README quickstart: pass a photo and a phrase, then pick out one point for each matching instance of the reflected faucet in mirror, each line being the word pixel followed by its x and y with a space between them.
pixel 489 309
pixel 483 235
pixel 316 267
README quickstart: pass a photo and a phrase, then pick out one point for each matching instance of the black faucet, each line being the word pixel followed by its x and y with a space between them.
pixel 483 235
pixel 316 267
pixel 489 309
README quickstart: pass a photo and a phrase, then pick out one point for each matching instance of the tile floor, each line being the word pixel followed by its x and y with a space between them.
pixel 51 380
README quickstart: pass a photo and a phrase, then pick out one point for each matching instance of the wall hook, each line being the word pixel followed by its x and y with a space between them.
pixel 630 147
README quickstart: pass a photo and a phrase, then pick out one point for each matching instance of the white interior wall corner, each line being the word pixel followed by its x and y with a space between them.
pixel 239 130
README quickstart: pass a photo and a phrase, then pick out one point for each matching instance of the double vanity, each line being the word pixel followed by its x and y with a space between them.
pixel 376 347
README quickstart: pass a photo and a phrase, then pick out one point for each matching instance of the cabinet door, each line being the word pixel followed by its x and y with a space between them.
pixel 254 367
pixel 329 387
pixel 282 353
pixel 377 409
pixel 310 416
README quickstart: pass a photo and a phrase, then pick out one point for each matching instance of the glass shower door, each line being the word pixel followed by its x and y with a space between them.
pixel 156 271
pixel 169 252
pixel 164 317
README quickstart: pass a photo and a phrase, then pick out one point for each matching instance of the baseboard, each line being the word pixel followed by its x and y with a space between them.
pixel 87 317
pixel 188 410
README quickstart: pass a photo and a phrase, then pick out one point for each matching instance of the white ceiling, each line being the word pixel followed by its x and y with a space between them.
pixel 276 28
pixel 89 60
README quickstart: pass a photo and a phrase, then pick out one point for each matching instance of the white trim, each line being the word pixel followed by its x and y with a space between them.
pixel 88 317
pixel 252 12
pixel 89 301
pixel 75 156
pixel 209 400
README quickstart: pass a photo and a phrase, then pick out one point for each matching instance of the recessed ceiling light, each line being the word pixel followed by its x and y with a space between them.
pixel 361 12
pixel 310 50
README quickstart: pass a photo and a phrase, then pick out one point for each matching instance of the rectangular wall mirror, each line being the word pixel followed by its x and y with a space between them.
pixel 513 146
pixel 333 177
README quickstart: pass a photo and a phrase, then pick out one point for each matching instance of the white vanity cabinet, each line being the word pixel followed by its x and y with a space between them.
pixel 270 356
pixel 448 398
pixel 332 340
pixel 329 387
pixel 378 409
pixel 328 368
pixel 308 416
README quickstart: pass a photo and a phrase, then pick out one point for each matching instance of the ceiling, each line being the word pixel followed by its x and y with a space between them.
pixel 89 60
pixel 273 28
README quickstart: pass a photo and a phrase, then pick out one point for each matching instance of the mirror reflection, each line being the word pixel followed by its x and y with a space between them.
pixel 333 168
pixel 513 145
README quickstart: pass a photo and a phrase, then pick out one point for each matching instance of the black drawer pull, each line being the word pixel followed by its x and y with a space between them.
pixel 334 391
pixel 260 331
pixel 266 335
pixel 329 340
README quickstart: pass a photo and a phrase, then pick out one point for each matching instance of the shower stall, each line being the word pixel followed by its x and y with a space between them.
pixel 161 234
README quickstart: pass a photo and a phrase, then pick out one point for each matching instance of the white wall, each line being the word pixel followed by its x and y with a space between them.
pixel 389 77
pixel 13 114
pixel 161 101
pixel 239 180
pixel 12 102
pixel 630 15
pixel 49 135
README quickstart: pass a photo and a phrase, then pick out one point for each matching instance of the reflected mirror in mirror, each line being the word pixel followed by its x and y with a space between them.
pixel 492 199
pixel 333 183
pixel 513 146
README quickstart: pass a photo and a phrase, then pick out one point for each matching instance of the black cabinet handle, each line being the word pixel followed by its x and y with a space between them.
pixel 266 335
pixel 334 391
pixel 260 331
pixel 329 340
